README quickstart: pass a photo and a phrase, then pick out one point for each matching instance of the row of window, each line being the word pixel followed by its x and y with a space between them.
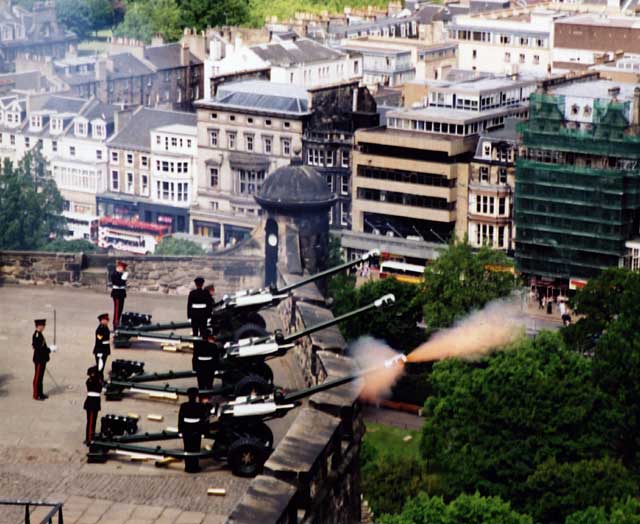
pixel 407 177
pixel 405 199
pixel 504 39
pixel 251 144
pixel 255 122
pixel 76 179
pixel 127 185
pixel 486 234
pixel 485 175
pixel 485 205
pixel 444 127
pixel 176 142
pixel 166 166
pixel 322 157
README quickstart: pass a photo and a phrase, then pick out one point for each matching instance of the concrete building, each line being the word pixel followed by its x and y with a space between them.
pixel 577 182
pixel 34 32
pixel 152 168
pixel 506 41
pixel 245 132
pixel 490 189
pixel 410 178
pixel 294 61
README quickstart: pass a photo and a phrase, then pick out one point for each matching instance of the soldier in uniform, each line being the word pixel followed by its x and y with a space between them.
pixel 118 291
pixel 206 357
pixel 41 354
pixel 192 420
pixel 199 306
pixel 92 402
pixel 102 345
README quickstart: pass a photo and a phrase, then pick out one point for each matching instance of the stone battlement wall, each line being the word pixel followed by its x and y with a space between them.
pixel 313 476
pixel 149 274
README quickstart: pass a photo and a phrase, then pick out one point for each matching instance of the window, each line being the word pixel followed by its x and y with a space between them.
pixel 536 59
pixel 330 158
pixel 98 154
pixel 248 142
pixel 12 139
pixel 484 174
pixel 267 123
pixel 502 175
pixel 231 140
pixel 129 159
pixel 474 54
pixel 98 131
pixel 115 180
pixel 501 205
pixel 213 137
pixel 213 176
pixel 504 39
pixel 114 156
pixel 72 150
pixel 345 158
pixel 144 161
pixel 250 120
pixel 27 142
pixel 287 124
pixel 183 191
pixel 129 188
pixel 268 144
pixel 286 146
pixel 214 205
pixel 144 185
pixel 174 141
pixel 232 117
pixel 249 182
pixel 344 185
pixel 54 146
pixel 507 58
pixel 344 213
pixel 522 57
pixel 213 116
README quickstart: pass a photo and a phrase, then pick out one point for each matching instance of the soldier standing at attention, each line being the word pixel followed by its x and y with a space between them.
pixel 118 291
pixel 199 306
pixel 192 420
pixel 40 358
pixel 102 346
pixel 92 402
pixel 206 361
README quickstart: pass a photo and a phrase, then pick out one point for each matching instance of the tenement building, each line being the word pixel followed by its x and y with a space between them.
pixel 578 181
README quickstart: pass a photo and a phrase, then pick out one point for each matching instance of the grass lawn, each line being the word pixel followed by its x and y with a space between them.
pixel 390 440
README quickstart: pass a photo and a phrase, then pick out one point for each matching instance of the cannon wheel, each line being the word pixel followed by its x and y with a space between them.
pixel 247 456
pixel 263 433
pixel 253 384
pixel 249 330
pixel 256 318
pixel 264 371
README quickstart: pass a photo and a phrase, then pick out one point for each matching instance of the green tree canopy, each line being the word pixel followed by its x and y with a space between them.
pixel 178 246
pixel 83 16
pixel 558 490
pixel 624 512
pixel 466 509
pixel 459 281
pixel 30 204
pixel 490 424
pixel 145 18
pixel 70 246
pixel 211 13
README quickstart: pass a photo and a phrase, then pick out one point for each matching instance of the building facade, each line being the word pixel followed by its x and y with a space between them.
pixel 578 181
pixel 152 168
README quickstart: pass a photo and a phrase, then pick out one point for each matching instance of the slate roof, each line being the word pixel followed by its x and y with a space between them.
pixel 136 132
pixel 126 65
pixel 58 104
pixel 298 51
pixel 167 56
pixel 262 95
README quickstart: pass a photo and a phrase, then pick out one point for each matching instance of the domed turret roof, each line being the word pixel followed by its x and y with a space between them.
pixel 295 185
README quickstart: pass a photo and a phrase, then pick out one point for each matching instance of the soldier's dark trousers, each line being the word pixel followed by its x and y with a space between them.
pixel 191 443
pixel 205 379
pixel 118 306
pixel 198 326
pixel 37 379
pixel 92 417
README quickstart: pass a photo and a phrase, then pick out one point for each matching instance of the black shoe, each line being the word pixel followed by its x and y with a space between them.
pixel 41 398
pixel 44 397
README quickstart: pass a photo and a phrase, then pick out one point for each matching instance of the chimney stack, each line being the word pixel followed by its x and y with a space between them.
pixel 184 54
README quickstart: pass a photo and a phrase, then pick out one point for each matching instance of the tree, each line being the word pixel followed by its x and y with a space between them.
pixel 557 490
pixel 145 18
pixel 30 204
pixel 397 325
pixel 466 509
pixel 70 246
pixel 178 246
pixel 459 281
pixel 211 13
pixel 490 424
pixel 623 512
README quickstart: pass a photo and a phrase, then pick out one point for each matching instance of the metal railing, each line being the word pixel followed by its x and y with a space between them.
pixel 56 509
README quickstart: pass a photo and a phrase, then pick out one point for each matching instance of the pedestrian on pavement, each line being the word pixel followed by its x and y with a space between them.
pixel 41 354
pixel 92 402
pixel 563 308
pixel 102 345
pixel 118 291
pixel 199 306
pixel 540 301
pixel 192 419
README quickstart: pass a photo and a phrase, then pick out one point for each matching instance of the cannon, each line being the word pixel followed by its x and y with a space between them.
pixel 241 438
pixel 237 316
pixel 242 366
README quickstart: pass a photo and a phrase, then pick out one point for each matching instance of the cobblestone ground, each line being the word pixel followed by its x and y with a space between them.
pixel 41 452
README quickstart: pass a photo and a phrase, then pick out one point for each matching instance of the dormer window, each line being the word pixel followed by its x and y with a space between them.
pixel 36 122
pixel 99 131
pixel 56 125
pixel 81 128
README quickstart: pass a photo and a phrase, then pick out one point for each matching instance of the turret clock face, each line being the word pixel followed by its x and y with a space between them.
pixel 272 240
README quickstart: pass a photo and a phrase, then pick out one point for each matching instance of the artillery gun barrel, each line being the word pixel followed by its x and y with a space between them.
pixel 155 327
pixel 330 384
pixel 331 271
pixel 137 387
pixel 141 334
pixel 381 302
pixel 149 377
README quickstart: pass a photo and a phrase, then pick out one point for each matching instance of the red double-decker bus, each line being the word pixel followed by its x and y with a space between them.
pixel 130 235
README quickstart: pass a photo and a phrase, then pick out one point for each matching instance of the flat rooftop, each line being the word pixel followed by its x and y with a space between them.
pixel 41 452
pixel 592 19
pixel 596 89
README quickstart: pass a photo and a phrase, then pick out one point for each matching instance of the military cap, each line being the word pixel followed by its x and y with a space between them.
pixel 40 321
pixel 121 263
pixel 103 316
pixel 199 281
pixel 92 369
